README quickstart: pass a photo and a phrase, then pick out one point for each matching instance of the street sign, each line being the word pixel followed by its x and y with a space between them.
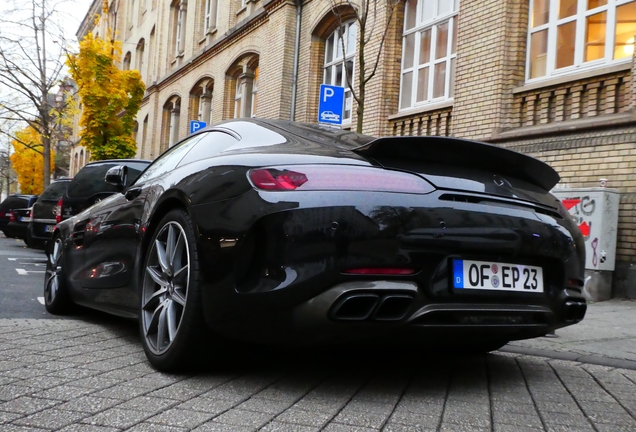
pixel 196 125
pixel 331 104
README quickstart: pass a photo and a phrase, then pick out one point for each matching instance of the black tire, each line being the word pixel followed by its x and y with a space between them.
pixel 171 320
pixel 57 299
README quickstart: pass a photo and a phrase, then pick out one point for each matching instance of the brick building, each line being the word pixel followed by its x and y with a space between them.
pixel 551 78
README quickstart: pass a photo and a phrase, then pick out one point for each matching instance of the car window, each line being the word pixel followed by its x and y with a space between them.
pixel 212 144
pixel 170 159
pixel 54 191
pixel 90 179
pixel 14 202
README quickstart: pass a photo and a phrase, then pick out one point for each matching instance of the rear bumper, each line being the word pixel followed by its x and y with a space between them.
pixel 37 230
pixel 285 276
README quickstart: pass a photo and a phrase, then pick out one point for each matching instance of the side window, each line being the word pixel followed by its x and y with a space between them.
pixel 170 159
pixel 212 144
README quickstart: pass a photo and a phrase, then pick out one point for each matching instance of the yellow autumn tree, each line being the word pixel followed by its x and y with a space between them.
pixel 110 98
pixel 28 160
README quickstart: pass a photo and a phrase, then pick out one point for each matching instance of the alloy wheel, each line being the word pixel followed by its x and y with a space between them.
pixel 53 272
pixel 165 287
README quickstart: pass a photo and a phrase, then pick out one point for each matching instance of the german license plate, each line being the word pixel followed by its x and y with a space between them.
pixel 487 275
pixel 24 219
pixel 49 228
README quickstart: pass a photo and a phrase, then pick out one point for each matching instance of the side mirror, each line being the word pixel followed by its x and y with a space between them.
pixel 117 176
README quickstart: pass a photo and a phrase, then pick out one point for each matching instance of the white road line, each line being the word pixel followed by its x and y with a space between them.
pixel 23 272
pixel 41 300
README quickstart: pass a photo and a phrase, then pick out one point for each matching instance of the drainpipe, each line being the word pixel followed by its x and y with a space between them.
pixel 299 11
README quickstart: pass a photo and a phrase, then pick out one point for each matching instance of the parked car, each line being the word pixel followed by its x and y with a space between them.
pixel 278 232
pixel 88 185
pixel 43 214
pixel 18 224
pixel 15 201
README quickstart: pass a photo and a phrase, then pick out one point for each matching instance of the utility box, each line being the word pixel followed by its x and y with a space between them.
pixel 595 212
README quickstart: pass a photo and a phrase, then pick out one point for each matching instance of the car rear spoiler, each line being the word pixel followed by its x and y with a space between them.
pixel 466 153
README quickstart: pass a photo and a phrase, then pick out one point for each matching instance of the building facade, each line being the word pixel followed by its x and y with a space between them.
pixel 550 78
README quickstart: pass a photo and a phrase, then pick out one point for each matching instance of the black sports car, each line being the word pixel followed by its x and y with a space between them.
pixel 278 232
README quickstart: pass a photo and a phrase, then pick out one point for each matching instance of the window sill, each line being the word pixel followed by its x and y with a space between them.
pixel 573 77
pixel 208 36
pixel 572 126
pixel 423 109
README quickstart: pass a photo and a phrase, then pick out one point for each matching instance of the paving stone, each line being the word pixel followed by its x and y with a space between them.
pixel 339 427
pixel 303 417
pixel 116 417
pixel 364 419
pixel 27 405
pixel 52 418
pixel 243 418
pixel 90 404
pixel 88 428
pixel 268 406
pixel 147 404
pixel 63 392
pixel 277 426
pixel 154 427
pixel 181 418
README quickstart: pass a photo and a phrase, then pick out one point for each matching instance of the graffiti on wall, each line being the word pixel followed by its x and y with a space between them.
pixel 582 210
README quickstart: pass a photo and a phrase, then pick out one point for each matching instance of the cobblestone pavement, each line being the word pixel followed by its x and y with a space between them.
pixel 91 375
pixel 607 336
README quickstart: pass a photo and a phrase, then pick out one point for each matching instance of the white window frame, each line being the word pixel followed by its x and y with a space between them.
pixel 422 25
pixel 340 58
pixel 238 98
pixel 254 93
pixel 210 15
pixel 579 45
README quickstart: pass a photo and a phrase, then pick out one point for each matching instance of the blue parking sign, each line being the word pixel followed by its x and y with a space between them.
pixel 331 104
pixel 196 126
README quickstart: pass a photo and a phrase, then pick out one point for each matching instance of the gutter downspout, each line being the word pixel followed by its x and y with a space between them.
pixel 299 11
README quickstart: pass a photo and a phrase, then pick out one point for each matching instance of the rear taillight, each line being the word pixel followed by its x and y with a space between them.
pixel 58 211
pixel 12 217
pixel 338 178
pixel 29 216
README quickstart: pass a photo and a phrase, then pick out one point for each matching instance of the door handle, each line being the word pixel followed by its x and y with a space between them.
pixel 133 193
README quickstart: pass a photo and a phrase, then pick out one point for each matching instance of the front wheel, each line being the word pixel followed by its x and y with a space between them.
pixel 57 299
pixel 171 323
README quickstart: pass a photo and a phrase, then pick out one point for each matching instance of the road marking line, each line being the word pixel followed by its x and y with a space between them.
pixel 41 300
pixel 23 272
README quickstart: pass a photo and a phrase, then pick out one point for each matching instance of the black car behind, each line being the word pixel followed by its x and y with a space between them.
pixel 88 185
pixel 15 201
pixel 43 215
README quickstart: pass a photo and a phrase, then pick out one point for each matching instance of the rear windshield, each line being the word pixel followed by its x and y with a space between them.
pixel 14 203
pixel 90 179
pixel 54 191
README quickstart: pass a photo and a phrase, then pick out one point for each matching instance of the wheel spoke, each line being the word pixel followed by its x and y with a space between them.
pixel 162 326
pixel 181 273
pixel 179 297
pixel 171 320
pixel 176 260
pixel 156 276
pixel 170 247
pixel 154 298
pixel 161 257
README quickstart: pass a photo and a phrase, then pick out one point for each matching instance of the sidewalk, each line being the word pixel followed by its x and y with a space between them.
pixel 607 336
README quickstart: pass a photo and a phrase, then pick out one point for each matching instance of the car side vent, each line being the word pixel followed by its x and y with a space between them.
pixel 476 199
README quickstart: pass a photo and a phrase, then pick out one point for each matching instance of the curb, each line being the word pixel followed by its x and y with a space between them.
pixel 570 356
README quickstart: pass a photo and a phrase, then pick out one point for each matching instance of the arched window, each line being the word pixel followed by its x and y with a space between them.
pixel 243 77
pixel 139 56
pixel 126 64
pixel 170 122
pixel 340 50
pixel 201 101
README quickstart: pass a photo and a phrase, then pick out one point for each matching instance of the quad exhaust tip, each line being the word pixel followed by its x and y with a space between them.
pixel 371 306
pixel 575 311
